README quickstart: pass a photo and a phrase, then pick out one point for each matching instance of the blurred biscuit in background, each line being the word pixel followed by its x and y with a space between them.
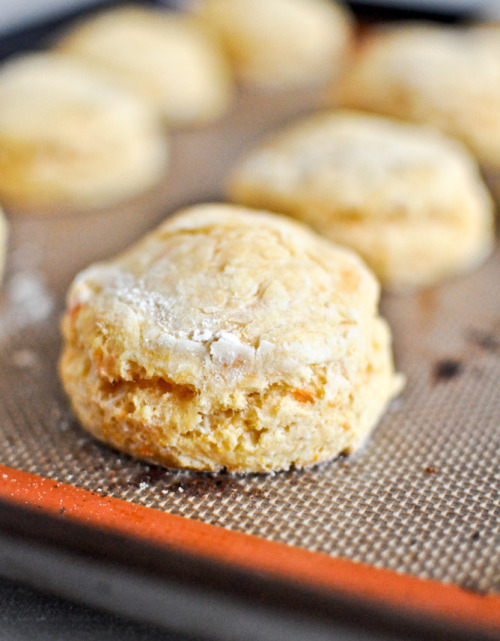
pixel 71 140
pixel 408 199
pixel 448 77
pixel 281 43
pixel 168 59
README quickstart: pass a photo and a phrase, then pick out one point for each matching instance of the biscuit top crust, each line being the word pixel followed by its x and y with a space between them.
pixel 362 165
pixel 446 76
pixel 220 297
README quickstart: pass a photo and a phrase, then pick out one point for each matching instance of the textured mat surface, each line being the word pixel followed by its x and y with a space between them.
pixel 424 495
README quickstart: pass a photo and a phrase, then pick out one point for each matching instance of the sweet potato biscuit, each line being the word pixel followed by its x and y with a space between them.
pixel 70 139
pixel 445 76
pixel 228 339
pixel 168 59
pixel 281 42
pixel 409 200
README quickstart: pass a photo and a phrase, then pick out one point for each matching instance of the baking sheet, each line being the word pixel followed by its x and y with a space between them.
pixel 423 498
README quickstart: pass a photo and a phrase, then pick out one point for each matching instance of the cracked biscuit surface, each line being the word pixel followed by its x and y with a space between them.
pixel 167 59
pixel 70 139
pixel 408 199
pixel 228 339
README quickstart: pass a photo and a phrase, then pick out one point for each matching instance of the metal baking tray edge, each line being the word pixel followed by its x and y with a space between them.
pixel 202 579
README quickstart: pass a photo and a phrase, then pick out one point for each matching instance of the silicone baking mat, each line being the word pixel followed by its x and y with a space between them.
pixel 422 498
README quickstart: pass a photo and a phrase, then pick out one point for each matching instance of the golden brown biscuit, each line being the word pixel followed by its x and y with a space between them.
pixel 69 139
pixel 445 76
pixel 409 200
pixel 230 339
pixel 168 59
pixel 279 43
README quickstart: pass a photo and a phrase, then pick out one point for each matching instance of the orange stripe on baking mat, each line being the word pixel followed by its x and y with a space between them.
pixel 423 597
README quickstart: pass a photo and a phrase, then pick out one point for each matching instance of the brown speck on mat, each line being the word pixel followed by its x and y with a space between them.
pixel 484 340
pixel 446 369
pixel 431 470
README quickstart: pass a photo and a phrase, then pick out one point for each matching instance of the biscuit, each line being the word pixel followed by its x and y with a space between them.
pixel 444 76
pixel 228 339
pixel 409 200
pixel 3 242
pixel 168 59
pixel 280 43
pixel 70 139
